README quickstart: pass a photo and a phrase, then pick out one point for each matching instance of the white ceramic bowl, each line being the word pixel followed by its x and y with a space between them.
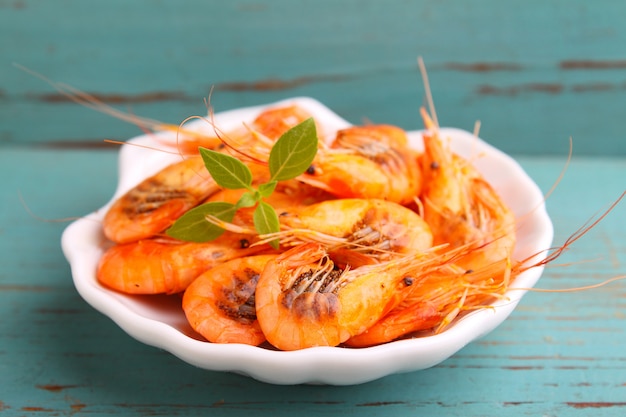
pixel 159 320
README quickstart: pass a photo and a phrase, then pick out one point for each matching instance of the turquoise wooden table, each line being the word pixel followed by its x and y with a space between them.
pixel 534 73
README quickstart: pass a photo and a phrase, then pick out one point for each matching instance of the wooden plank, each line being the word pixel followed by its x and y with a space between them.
pixel 534 73
pixel 558 354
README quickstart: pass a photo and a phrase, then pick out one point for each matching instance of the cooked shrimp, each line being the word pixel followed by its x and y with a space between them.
pixel 253 140
pixel 303 299
pixel 405 319
pixel 367 162
pixel 461 207
pixel 261 133
pixel 220 305
pixel 155 203
pixel 379 228
pixel 275 121
pixel 437 297
pixel 372 140
pixel 434 299
pixel 156 266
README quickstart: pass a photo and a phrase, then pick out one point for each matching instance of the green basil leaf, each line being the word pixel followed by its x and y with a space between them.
pixel 266 221
pixel 248 199
pixel 294 151
pixel 227 171
pixel 266 190
pixel 194 227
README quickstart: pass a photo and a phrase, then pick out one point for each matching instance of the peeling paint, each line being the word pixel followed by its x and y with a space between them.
pixel 380 403
pixel 87 144
pixel 263 85
pixel 596 404
pixel 483 66
pixel 36 409
pixel 273 84
pixel 549 88
pixel 593 87
pixel 16 5
pixel 592 64
pixel 77 407
pixel 116 98
pixel 54 387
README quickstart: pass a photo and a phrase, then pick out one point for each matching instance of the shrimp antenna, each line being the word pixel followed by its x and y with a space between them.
pixel 429 95
pixel 562 173
pixel 93 102
pixel 90 101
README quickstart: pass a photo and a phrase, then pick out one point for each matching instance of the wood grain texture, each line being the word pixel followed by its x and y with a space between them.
pixel 557 355
pixel 534 73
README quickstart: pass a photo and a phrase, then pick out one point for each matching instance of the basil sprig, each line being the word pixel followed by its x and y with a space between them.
pixel 290 156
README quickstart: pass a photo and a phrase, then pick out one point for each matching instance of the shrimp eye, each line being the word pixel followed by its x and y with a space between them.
pixel 434 165
pixel 469 271
pixel 244 243
pixel 310 170
pixel 408 281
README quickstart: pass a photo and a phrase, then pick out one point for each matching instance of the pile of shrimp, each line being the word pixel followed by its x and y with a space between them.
pixel 378 241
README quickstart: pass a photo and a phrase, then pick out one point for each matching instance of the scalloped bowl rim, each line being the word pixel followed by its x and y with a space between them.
pixel 83 242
